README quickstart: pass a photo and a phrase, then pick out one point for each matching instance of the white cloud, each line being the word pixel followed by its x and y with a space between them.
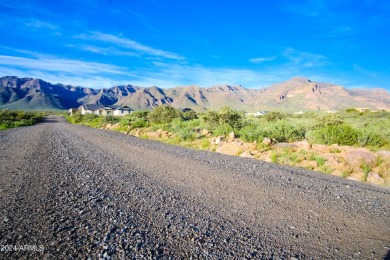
pixel 106 51
pixel 364 71
pixel 66 71
pixel 92 81
pixel 34 23
pixel 262 59
pixel 129 44
pixel 305 59
pixel 60 65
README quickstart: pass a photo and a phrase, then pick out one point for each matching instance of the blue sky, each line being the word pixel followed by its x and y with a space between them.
pixel 102 43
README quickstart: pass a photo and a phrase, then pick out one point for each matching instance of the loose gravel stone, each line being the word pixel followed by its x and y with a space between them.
pixel 73 192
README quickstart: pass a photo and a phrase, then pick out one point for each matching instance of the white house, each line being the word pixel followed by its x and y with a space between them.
pixel 102 110
pixel 122 110
pixel 260 113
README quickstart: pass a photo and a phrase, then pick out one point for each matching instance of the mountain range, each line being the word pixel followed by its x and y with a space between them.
pixel 296 94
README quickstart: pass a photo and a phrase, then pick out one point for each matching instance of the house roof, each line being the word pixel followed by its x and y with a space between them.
pixel 123 107
pixel 94 107
pixel 91 107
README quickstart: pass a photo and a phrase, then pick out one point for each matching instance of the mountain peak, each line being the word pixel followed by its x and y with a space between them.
pixel 299 79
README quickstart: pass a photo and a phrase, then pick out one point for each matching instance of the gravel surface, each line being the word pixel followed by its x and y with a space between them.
pixel 72 192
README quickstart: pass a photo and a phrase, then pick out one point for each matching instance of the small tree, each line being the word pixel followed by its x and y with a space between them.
pixel 163 114
pixel 225 116
pixel 231 117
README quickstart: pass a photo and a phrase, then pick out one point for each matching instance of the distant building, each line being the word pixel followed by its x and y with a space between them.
pixel 298 113
pixel 260 113
pixel 362 109
pixel 103 110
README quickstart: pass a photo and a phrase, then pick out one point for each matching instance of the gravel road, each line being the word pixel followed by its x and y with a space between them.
pixel 72 192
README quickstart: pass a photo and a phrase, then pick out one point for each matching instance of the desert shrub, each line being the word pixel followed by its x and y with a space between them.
pixel 109 119
pixel 280 131
pixel 189 115
pixel 127 120
pixel 212 118
pixel 93 121
pixel 10 119
pixel 334 134
pixel 223 129
pixel 225 116
pixel 163 114
pixel 186 134
pixel 7 116
pixel 351 110
pixel 77 118
pixel 24 115
pixel 380 114
pixel 251 132
pixel 284 131
pixel 273 116
pixel 90 117
pixel 140 114
pixel 24 122
pixel 330 119
pixel 231 117
pixel 139 123
pixel 178 124
pixel 367 138
pixel 184 130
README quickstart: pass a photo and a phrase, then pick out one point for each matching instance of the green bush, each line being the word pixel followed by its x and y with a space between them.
pixel 273 116
pixel 284 131
pixel 225 116
pixel 280 131
pixel 90 117
pixel 109 119
pixel 163 114
pixel 212 118
pixel 330 119
pixel 10 119
pixel 189 115
pixel 140 114
pixel 24 115
pixel 223 129
pixel 351 110
pixel 251 132
pixel 367 138
pixel 77 117
pixel 140 123
pixel 231 117
pixel 334 134
pixel 186 134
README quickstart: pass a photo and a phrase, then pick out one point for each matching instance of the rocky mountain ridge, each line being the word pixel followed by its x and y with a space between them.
pixel 296 94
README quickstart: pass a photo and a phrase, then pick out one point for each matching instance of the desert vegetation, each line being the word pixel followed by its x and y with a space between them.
pixel 313 140
pixel 12 119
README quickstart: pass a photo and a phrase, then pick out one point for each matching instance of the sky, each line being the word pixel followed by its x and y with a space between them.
pixel 169 43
